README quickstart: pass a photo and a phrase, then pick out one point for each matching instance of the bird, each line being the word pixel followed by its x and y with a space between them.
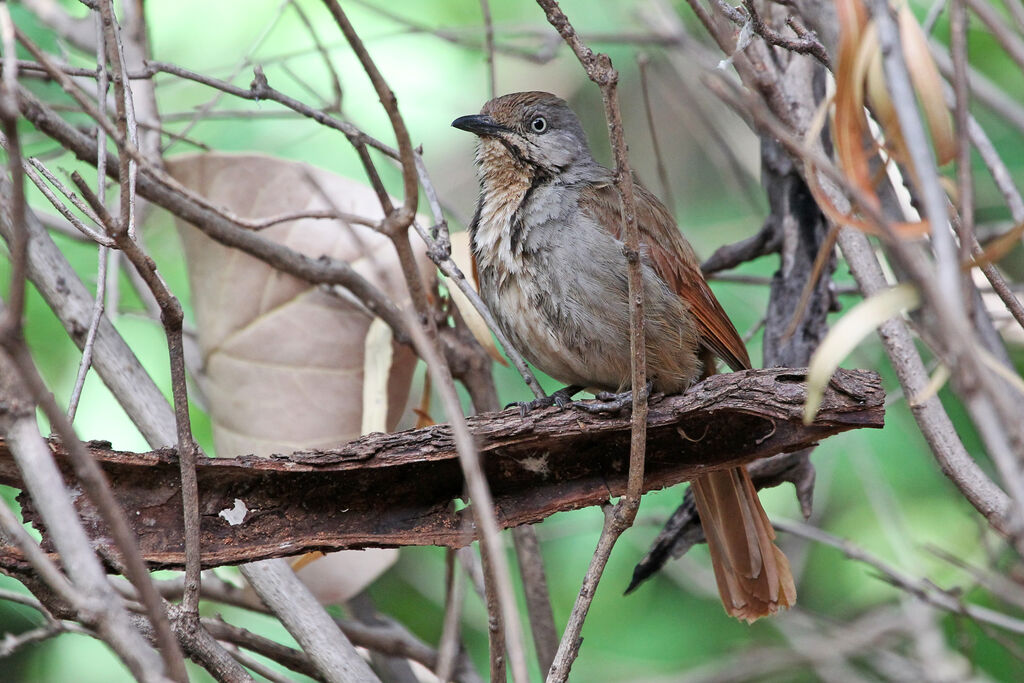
pixel 547 245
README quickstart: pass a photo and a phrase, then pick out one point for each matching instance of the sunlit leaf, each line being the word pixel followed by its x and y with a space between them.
pixel 377 357
pixel 847 333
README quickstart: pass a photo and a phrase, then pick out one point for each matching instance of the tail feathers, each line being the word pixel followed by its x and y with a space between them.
pixel 753 575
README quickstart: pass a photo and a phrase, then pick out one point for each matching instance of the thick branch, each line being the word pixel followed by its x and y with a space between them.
pixel 398 489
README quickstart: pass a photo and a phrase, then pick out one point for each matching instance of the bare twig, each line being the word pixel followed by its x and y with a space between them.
pixel 94 482
pixel 78 32
pixel 643 61
pixel 395 226
pixel 485 9
pixel 600 70
pixel 96 604
pixel 34 169
pixel 805 43
pixel 40 561
pixel 388 637
pixel 483 505
pixel 296 660
pixel 935 425
pixel 188 206
pixel 127 128
pixel 171 316
pixel 921 589
pixel 1011 43
pixel 538 601
pixel 90 337
pixel 964 179
pixel 455 594
pixel 982 88
pixel 439 249
pixel 335 104
pixel 201 112
pixel 305 619
pixel 926 172
pixel 103 252
pixel 71 302
pixel 10 318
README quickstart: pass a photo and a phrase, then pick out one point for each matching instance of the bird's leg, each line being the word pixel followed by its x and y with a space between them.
pixel 611 403
pixel 560 398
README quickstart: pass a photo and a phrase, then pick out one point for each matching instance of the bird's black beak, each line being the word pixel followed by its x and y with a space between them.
pixel 480 124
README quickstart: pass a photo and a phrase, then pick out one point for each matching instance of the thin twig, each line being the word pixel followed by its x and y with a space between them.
pixel 335 104
pixel 126 128
pixel 483 504
pixel 991 409
pixel 93 600
pixel 922 589
pixel 34 168
pixel 103 253
pixel 200 112
pixel 538 599
pixel 600 70
pixel 982 88
pixel 395 225
pixel 485 9
pixel 90 337
pixel 40 561
pixel 805 43
pixel 172 316
pixel 10 319
pixel 439 250
pixel 643 61
pixel 455 594
pixel 293 603
pixel 1011 43
pixel 296 660
pixel 113 359
pixel 964 180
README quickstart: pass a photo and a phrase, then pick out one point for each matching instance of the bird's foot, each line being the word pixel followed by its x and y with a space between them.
pixel 608 402
pixel 560 398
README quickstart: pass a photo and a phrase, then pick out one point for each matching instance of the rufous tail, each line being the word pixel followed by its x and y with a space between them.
pixel 752 573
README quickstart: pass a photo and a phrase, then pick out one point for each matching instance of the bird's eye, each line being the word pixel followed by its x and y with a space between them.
pixel 539 124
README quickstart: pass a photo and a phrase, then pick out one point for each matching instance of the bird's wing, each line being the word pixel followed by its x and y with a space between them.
pixel 674 260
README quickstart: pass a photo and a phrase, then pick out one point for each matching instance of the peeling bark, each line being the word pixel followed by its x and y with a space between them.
pixel 398 489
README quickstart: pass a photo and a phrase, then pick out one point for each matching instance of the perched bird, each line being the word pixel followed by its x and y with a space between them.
pixel 548 248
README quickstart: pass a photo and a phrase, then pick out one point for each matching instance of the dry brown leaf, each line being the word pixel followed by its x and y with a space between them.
pixel 860 83
pixel 285 363
pixel 924 74
pixel 998 248
pixel 423 418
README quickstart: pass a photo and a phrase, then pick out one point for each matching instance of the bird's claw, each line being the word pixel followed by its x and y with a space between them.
pixel 561 398
pixel 608 402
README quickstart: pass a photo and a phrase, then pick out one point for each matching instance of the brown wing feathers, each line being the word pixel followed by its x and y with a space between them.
pixel 753 575
pixel 674 260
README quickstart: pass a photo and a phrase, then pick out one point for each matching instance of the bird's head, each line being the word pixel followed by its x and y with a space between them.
pixel 535 130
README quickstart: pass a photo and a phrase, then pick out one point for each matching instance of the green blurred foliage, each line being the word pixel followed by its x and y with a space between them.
pixel 881 489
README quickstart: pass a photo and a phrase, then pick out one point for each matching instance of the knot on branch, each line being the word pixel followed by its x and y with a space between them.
pixel 259 85
pixel 603 73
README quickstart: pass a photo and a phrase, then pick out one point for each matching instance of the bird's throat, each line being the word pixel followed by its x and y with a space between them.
pixel 505 183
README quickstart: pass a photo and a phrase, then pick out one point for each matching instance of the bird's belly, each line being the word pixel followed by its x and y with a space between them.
pixel 551 339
